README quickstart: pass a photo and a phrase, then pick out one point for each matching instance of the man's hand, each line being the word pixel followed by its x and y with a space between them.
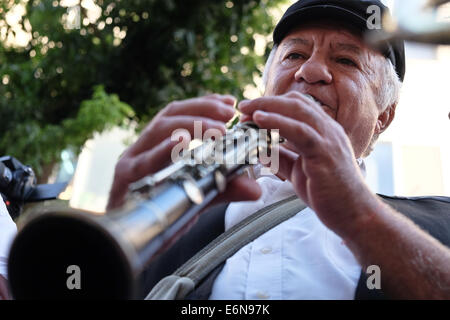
pixel 152 151
pixel 319 160
pixel 320 163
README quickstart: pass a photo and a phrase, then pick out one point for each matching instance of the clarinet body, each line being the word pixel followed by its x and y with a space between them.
pixel 70 253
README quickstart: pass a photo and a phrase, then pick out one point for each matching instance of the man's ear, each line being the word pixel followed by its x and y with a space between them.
pixel 385 118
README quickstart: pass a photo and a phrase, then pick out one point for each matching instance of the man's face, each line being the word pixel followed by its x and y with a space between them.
pixel 334 66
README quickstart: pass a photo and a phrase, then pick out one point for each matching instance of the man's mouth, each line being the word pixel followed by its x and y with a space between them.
pixel 317 100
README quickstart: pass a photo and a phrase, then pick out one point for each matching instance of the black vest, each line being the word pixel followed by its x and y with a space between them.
pixel 432 214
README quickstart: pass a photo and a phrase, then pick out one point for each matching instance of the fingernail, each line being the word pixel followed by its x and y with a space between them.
pixel 245 118
pixel 260 114
pixel 243 104
pixel 229 99
pixel 230 113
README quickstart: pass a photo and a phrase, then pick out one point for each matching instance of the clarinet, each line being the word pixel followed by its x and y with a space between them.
pixel 112 250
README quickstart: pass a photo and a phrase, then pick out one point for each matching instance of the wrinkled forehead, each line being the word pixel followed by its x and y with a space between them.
pixel 333 31
pixel 337 37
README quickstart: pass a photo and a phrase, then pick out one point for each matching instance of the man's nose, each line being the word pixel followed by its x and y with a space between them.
pixel 314 70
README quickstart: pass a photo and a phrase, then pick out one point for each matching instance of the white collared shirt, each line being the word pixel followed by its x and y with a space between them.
pixel 8 231
pixel 298 259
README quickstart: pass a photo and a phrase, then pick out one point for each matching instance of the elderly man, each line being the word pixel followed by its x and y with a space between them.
pixel 330 95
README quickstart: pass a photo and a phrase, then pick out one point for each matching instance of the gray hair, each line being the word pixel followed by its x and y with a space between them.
pixel 268 64
pixel 387 94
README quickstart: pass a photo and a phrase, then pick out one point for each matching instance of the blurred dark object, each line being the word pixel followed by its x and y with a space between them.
pixel 418 21
pixel 435 3
pixel 18 186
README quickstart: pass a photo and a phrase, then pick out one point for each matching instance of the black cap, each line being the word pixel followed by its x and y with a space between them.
pixel 352 12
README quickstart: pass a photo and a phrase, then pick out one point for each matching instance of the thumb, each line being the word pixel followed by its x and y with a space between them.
pixel 242 188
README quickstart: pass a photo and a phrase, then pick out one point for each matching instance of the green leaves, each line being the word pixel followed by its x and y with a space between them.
pixel 146 52
pixel 98 114
pixel 39 145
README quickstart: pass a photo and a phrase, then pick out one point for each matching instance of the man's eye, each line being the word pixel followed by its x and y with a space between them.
pixel 294 56
pixel 348 62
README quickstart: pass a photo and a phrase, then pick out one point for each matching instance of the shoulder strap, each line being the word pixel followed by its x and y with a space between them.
pixel 179 284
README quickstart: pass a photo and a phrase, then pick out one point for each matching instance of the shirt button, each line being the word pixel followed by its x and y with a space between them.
pixel 262 295
pixel 266 250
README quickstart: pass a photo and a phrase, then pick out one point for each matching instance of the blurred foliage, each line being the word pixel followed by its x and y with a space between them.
pixel 65 84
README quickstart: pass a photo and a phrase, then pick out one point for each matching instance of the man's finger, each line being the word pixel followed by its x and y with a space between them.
pixel 241 188
pixel 301 136
pixel 167 126
pixel 214 108
pixel 301 110
pixel 155 159
pixel 129 170
pixel 286 162
pixel 245 118
pixel 225 98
